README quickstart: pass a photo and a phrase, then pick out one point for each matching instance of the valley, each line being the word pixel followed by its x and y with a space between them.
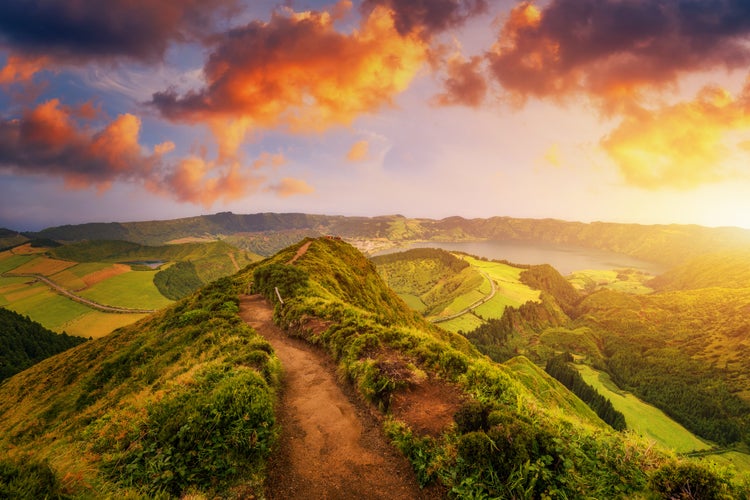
pixel 668 352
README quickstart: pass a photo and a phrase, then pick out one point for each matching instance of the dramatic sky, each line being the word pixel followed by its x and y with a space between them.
pixel 616 110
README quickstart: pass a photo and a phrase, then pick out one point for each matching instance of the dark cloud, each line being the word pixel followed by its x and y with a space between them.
pixel 612 49
pixel 85 30
pixel 428 16
pixel 465 84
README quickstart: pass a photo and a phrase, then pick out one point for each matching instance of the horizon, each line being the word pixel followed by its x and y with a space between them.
pixel 631 113
pixel 132 221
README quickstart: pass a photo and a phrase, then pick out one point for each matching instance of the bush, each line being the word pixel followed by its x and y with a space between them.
pixel 689 481
pixel 28 480
pixel 203 436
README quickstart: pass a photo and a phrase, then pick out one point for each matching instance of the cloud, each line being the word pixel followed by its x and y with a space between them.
pixel 196 180
pixel 87 30
pixel 428 17
pixel 614 49
pixel 297 72
pixel 20 69
pixel 465 84
pixel 47 140
pixel 50 140
pixel 359 151
pixel 552 156
pixel 684 145
pixel 289 186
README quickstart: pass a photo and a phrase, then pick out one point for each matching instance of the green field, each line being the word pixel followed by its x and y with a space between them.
pixel 626 281
pixel 134 290
pixel 644 419
pixel 413 301
pixel 464 323
pixel 9 261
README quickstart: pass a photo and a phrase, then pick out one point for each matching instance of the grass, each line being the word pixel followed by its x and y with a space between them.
pixel 9 261
pixel 464 323
pixel 45 306
pixel 44 266
pixel 643 418
pixel 413 301
pixel 97 324
pixel 626 281
pixel 73 277
pixel 134 289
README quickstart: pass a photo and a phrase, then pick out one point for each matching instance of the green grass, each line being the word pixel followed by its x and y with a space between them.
pixel 98 324
pixel 8 261
pixel 626 281
pixel 643 418
pixel 464 323
pixel 48 308
pixel 135 290
pixel 413 301
pixel 736 459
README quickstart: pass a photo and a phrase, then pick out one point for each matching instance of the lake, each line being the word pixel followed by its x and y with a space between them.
pixel 564 258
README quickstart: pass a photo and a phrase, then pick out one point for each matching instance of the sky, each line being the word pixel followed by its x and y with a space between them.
pixel 586 110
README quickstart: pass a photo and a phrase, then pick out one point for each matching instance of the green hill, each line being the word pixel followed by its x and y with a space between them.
pixel 181 401
pixel 10 239
pixel 181 404
pixel 266 233
pixel 718 269
pixel 24 342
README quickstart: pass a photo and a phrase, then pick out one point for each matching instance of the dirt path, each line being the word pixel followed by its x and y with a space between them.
pixel 300 252
pixel 331 448
pixel 234 261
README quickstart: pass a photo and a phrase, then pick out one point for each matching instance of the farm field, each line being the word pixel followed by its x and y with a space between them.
pixel 509 291
pixel 626 281
pixel 642 418
pixel 133 289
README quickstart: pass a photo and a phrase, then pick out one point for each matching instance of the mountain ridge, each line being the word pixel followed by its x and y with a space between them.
pixel 660 243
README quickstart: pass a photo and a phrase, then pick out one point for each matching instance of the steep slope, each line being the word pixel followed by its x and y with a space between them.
pixel 718 269
pixel 518 432
pixel 179 402
pixel 24 342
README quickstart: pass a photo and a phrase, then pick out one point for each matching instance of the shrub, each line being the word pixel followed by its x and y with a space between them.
pixel 689 481
pixel 28 479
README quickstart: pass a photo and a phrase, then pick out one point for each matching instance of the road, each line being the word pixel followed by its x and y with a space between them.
pixel 471 307
pixel 78 298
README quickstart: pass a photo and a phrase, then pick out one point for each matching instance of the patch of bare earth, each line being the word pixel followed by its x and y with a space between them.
pixel 331 445
pixel 427 407
pixel 300 252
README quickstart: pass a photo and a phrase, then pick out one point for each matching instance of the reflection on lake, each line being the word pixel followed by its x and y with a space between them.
pixel 153 264
pixel 564 258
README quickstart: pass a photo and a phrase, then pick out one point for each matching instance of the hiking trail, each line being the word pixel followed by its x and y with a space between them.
pixel 331 445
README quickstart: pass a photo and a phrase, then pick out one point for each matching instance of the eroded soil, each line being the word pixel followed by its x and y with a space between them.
pixel 331 445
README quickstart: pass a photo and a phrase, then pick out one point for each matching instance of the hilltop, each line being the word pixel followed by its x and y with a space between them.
pixel 267 233
pixel 130 414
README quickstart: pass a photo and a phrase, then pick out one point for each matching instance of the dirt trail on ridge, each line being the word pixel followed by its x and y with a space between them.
pixel 331 446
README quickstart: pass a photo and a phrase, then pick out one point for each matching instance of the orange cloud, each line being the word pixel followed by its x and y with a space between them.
pixel 359 151
pixel 47 140
pixel 465 83
pixel 684 145
pixel 296 71
pixel 21 69
pixel 196 180
pixel 289 186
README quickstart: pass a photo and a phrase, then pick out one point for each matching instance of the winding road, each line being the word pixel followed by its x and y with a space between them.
pixel 471 307
pixel 78 298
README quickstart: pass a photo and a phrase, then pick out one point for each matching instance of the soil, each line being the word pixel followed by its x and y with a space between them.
pixel 331 444
pixel 104 274
pixel 300 252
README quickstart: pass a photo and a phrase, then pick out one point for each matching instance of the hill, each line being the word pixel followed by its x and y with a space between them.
pixel 266 233
pixel 10 239
pixel 716 269
pixel 24 342
pixel 181 404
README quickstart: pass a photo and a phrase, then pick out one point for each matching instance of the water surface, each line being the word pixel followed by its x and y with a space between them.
pixel 564 258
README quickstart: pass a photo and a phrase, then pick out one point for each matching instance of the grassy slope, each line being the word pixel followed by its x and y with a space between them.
pixel 366 325
pixel 643 418
pixel 438 291
pixel 180 400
